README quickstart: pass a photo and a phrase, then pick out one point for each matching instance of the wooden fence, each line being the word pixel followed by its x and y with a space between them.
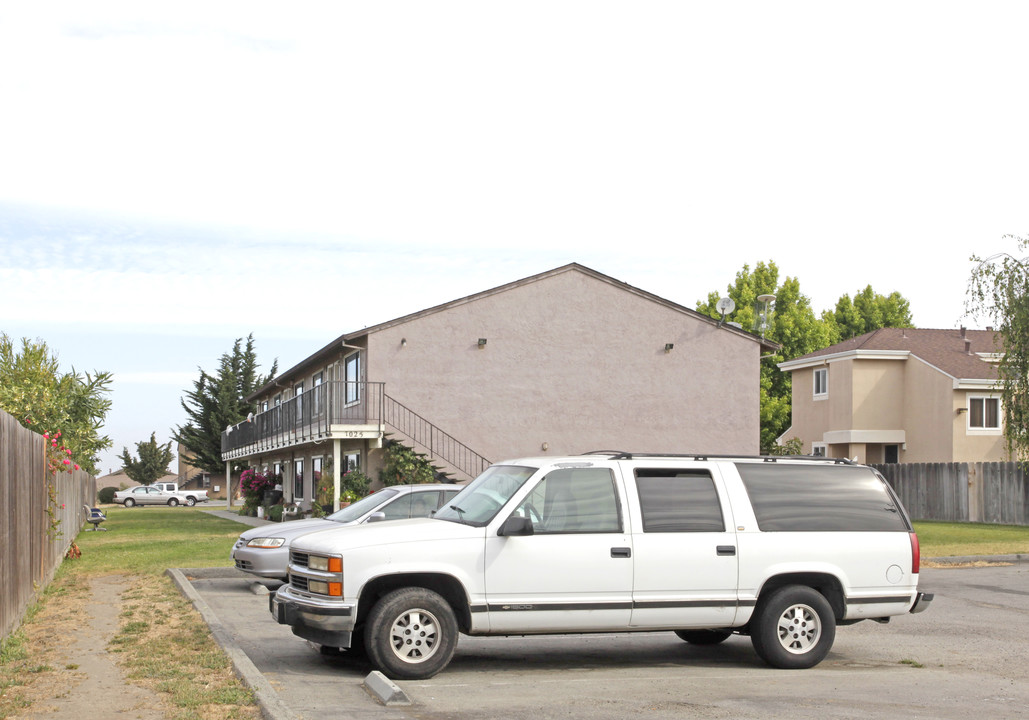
pixel 962 492
pixel 29 555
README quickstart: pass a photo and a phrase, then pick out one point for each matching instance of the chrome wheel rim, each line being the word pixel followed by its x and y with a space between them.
pixel 414 636
pixel 799 629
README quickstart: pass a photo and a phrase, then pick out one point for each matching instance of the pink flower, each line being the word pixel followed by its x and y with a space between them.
pixel 76 467
pixel 46 435
pixel 67 462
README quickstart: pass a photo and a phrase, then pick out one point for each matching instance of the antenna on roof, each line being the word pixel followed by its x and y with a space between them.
pixel 761 320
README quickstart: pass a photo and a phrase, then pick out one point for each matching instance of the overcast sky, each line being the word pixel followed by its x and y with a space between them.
pixel 177 175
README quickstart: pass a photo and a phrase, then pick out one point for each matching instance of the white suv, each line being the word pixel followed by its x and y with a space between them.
pixel 780 549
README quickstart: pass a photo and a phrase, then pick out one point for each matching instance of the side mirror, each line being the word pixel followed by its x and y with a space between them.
pixel 376 517
pixel 515 525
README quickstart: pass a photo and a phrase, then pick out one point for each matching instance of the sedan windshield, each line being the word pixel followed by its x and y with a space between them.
pixel 366 504
pixel 479 503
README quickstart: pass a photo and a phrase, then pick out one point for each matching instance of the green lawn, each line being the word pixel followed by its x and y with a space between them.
pixel 149 540
pixel 943 539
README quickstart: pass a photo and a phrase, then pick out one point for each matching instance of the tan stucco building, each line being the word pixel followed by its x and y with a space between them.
pixel 567 361
pixel 901 395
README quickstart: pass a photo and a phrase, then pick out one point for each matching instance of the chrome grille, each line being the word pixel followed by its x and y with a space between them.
pixel 298 558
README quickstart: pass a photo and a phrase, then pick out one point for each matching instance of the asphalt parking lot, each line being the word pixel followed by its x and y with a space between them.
pixel 967 654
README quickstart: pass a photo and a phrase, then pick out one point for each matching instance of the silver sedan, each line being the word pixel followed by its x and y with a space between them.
pixel 264 550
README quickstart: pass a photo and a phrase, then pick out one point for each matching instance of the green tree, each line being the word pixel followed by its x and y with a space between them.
pixel 46 400
pixel 791 324
pixel 999 290
pixel 867 312
pixel 152 463
pixel 219 400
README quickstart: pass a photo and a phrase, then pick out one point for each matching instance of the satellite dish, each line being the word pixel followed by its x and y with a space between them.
pixel 724 307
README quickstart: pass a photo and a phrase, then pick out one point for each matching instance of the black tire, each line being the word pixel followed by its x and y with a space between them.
pixel 793 628
pixel 191 501
pixel 704 637
pixel 411 634
pixel 129 502
pixel 172 502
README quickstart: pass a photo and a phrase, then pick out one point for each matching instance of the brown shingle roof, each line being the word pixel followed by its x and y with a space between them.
pixel 943 349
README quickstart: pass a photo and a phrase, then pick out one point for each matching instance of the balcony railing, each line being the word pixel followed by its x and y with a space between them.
pixel 308 416
pixel 319 413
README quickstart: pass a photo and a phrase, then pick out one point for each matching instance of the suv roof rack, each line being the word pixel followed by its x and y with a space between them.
pixel 622 455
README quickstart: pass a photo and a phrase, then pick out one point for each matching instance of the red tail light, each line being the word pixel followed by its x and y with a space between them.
pixel 916 554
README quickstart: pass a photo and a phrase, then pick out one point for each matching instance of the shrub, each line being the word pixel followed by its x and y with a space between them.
pixel 105 496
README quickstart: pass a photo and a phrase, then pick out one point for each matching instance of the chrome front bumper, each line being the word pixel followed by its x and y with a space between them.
pixel 320 621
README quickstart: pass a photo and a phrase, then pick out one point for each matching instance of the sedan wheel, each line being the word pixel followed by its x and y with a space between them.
pixel 173 502
pixel 129 502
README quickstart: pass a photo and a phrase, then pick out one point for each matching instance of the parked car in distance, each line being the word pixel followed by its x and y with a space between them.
pixel 779 549
pixel 264 550
pixel 154 495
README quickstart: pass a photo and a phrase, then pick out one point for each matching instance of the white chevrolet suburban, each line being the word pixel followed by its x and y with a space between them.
pixel 780 549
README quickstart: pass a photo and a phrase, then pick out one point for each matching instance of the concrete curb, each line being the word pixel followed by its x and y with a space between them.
pixel 272 707
pixel 1016 559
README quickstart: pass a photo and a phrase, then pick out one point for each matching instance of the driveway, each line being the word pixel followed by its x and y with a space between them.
pixel 965 655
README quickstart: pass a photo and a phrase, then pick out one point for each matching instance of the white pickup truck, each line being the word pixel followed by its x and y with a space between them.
pixel 782 550
pixel 159 494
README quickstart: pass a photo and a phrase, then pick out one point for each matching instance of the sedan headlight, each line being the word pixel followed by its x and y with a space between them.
pixel 266 542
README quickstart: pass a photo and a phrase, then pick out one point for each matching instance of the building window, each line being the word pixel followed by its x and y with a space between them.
pixel 351 461
pixel 819 449
pixel 316 389
pixel 352 376
pixel 984 413
pixel 298 479
pixel 821 382
pixel 891 454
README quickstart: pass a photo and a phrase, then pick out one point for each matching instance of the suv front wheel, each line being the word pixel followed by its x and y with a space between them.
pixel 793 628
pixel 411 634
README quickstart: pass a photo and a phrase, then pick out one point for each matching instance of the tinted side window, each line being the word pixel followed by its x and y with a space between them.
pixel 678 501
pixel 813 498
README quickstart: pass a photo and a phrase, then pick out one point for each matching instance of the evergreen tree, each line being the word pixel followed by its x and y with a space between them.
pixel 219 400
pixel 152 463
pixel 999 289
pixel 35 391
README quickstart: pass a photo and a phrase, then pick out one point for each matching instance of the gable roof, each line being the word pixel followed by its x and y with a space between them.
pixel 961 353
pixel 333 347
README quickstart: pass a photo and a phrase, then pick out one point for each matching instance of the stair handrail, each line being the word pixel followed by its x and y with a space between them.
pixel 439 441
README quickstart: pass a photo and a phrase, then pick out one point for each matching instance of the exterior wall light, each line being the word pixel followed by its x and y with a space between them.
pixel 668 347
pixel 482 343
pixel 403 342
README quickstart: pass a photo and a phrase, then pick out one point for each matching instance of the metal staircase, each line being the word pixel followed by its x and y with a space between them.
pixel 446 454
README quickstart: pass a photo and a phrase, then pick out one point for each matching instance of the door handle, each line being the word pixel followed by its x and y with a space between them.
pixel 621 552
pixel 726 549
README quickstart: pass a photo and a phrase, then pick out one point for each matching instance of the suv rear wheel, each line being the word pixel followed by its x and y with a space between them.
pixel 793 628
pixel 411 634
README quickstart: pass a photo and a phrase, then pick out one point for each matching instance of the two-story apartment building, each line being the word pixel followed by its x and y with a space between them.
pixel 901 395
pixel 567 361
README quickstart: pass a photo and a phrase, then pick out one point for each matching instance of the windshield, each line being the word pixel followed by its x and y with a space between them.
pixel 478 503
pixel 366 504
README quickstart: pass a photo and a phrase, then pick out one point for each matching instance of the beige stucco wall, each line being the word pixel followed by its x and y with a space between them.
pixel 889 395
pixel 575 363
pixel 972 446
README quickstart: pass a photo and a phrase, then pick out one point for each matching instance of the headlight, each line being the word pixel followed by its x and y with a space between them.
pixel 325 564
pixel 266 542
